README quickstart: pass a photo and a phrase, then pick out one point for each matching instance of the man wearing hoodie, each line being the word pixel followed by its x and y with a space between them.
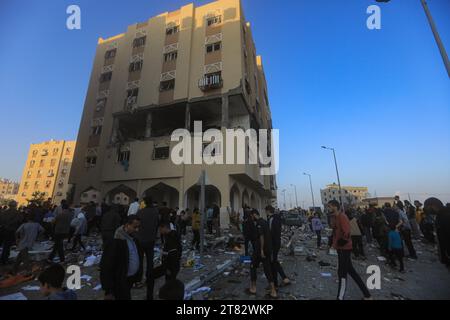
pixel 51 280
pixel 120 263
pixel 62 229
pixel 147 236
pixel 342 242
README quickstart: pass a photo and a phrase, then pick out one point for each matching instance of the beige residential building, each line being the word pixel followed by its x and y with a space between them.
pixel 47 170
pixel 351 196
pixel 8 189
pixel 193 64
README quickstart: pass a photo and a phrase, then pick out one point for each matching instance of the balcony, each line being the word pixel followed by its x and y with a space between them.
pixel 211 82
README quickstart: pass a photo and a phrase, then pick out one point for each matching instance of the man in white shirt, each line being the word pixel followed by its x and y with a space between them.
pixel 134 207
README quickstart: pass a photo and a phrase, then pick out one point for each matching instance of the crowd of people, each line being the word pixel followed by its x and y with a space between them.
pixel 130 235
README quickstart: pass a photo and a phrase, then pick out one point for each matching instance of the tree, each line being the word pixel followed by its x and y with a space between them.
pixel 38 198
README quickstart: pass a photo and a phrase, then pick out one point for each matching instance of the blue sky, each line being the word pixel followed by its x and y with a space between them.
pixel 381 98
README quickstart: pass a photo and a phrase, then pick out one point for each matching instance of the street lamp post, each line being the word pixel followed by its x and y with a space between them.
pixel 337 173
pixel 312 192
pixel 284 196
pixel 296 199
pixel 436 36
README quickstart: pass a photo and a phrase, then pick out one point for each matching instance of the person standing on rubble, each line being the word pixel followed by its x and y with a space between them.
pixel 120 263
pixel 317 227
pixel 274 221
pixel 147 236
pixel 196 225
pixel 248 230
pixel 342 242
pixel 171 253
pixel 262 254
pixel 62 229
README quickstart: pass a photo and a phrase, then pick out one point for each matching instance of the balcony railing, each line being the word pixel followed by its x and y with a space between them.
pixel 210 82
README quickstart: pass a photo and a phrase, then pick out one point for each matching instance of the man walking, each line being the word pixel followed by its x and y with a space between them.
pixel 62 229
pixel 146 236
pixel 10 220
pixel 343 244
pixel 262 254
pixel 274 220
pixel 26 235
pixel 317 227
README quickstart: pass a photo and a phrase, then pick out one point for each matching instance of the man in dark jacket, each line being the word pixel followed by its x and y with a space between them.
pixel 262 254
pixel 62 229
pixel 146 237
pixel 392 216
pixel 433 206
pixel 248 230
pixel 109 224
pixel 164 213
pixel 10 220
pixel 120 262
pixel 274 220
pixel 91 212
pixel 367 221
pixel 171 253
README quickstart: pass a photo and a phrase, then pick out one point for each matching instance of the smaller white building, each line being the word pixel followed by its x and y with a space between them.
pixel 351 196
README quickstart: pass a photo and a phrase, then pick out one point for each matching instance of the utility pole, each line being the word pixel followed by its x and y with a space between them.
pixel 337 173
pixel 296 199
pixel 284 196
pixel 312 192
pixel 203 213
pixel 436 36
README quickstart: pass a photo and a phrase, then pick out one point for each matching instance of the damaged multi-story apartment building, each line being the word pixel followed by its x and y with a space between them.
pixel 193 64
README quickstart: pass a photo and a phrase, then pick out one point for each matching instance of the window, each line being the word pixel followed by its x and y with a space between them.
pixel 55 151
pixel 136 66
pixel 100 104
pixel 214 20
pixel 171 56
pixel 213 47
pixel 211 81
pixel 172 30
pixel 123 156
pixel 167 85
pixel 25 186
pixel 44 152
pixel 91 161
pixel 41 163
pixel 52 162
pixel 139 42
pixel 32 162
pixel 66 161
pixel 105 77
pixel 29 174
pixel 50 173
pixel 48 183
pixel 96 130
pixel 39 174
pixel 110 54
pixel 35 152
pixel 132 95
pixel 36 184
pixel 160 153
pixel 24 194
pixel 68 151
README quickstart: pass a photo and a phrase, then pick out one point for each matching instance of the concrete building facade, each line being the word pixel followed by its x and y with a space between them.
pixel 193 64
pixel 8 189
pixel 351 196
pixel 47 170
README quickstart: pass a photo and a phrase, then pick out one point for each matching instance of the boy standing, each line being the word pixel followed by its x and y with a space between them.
pixel 395 247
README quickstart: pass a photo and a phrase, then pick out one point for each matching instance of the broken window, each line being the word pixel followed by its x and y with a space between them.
pixel 165 121
pixel 132 127
pixel 110 53
pixel 214 20
pixel 172 30
pixel 139 42
pixel 136 66
pixel 167 85
pixel 213 47
pixel 100 104
pixel 123 156
pixel 171 56
pixel 96 130
pixel 91 161
pixel 161 153
pixel 132 95
pixel 105 77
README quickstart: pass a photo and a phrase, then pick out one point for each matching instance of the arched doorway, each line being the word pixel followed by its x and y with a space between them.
pixel 121 195
pixel 253 201
pixel 163 193
pixel 212 195
pixel 235 201
pixel 245 198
